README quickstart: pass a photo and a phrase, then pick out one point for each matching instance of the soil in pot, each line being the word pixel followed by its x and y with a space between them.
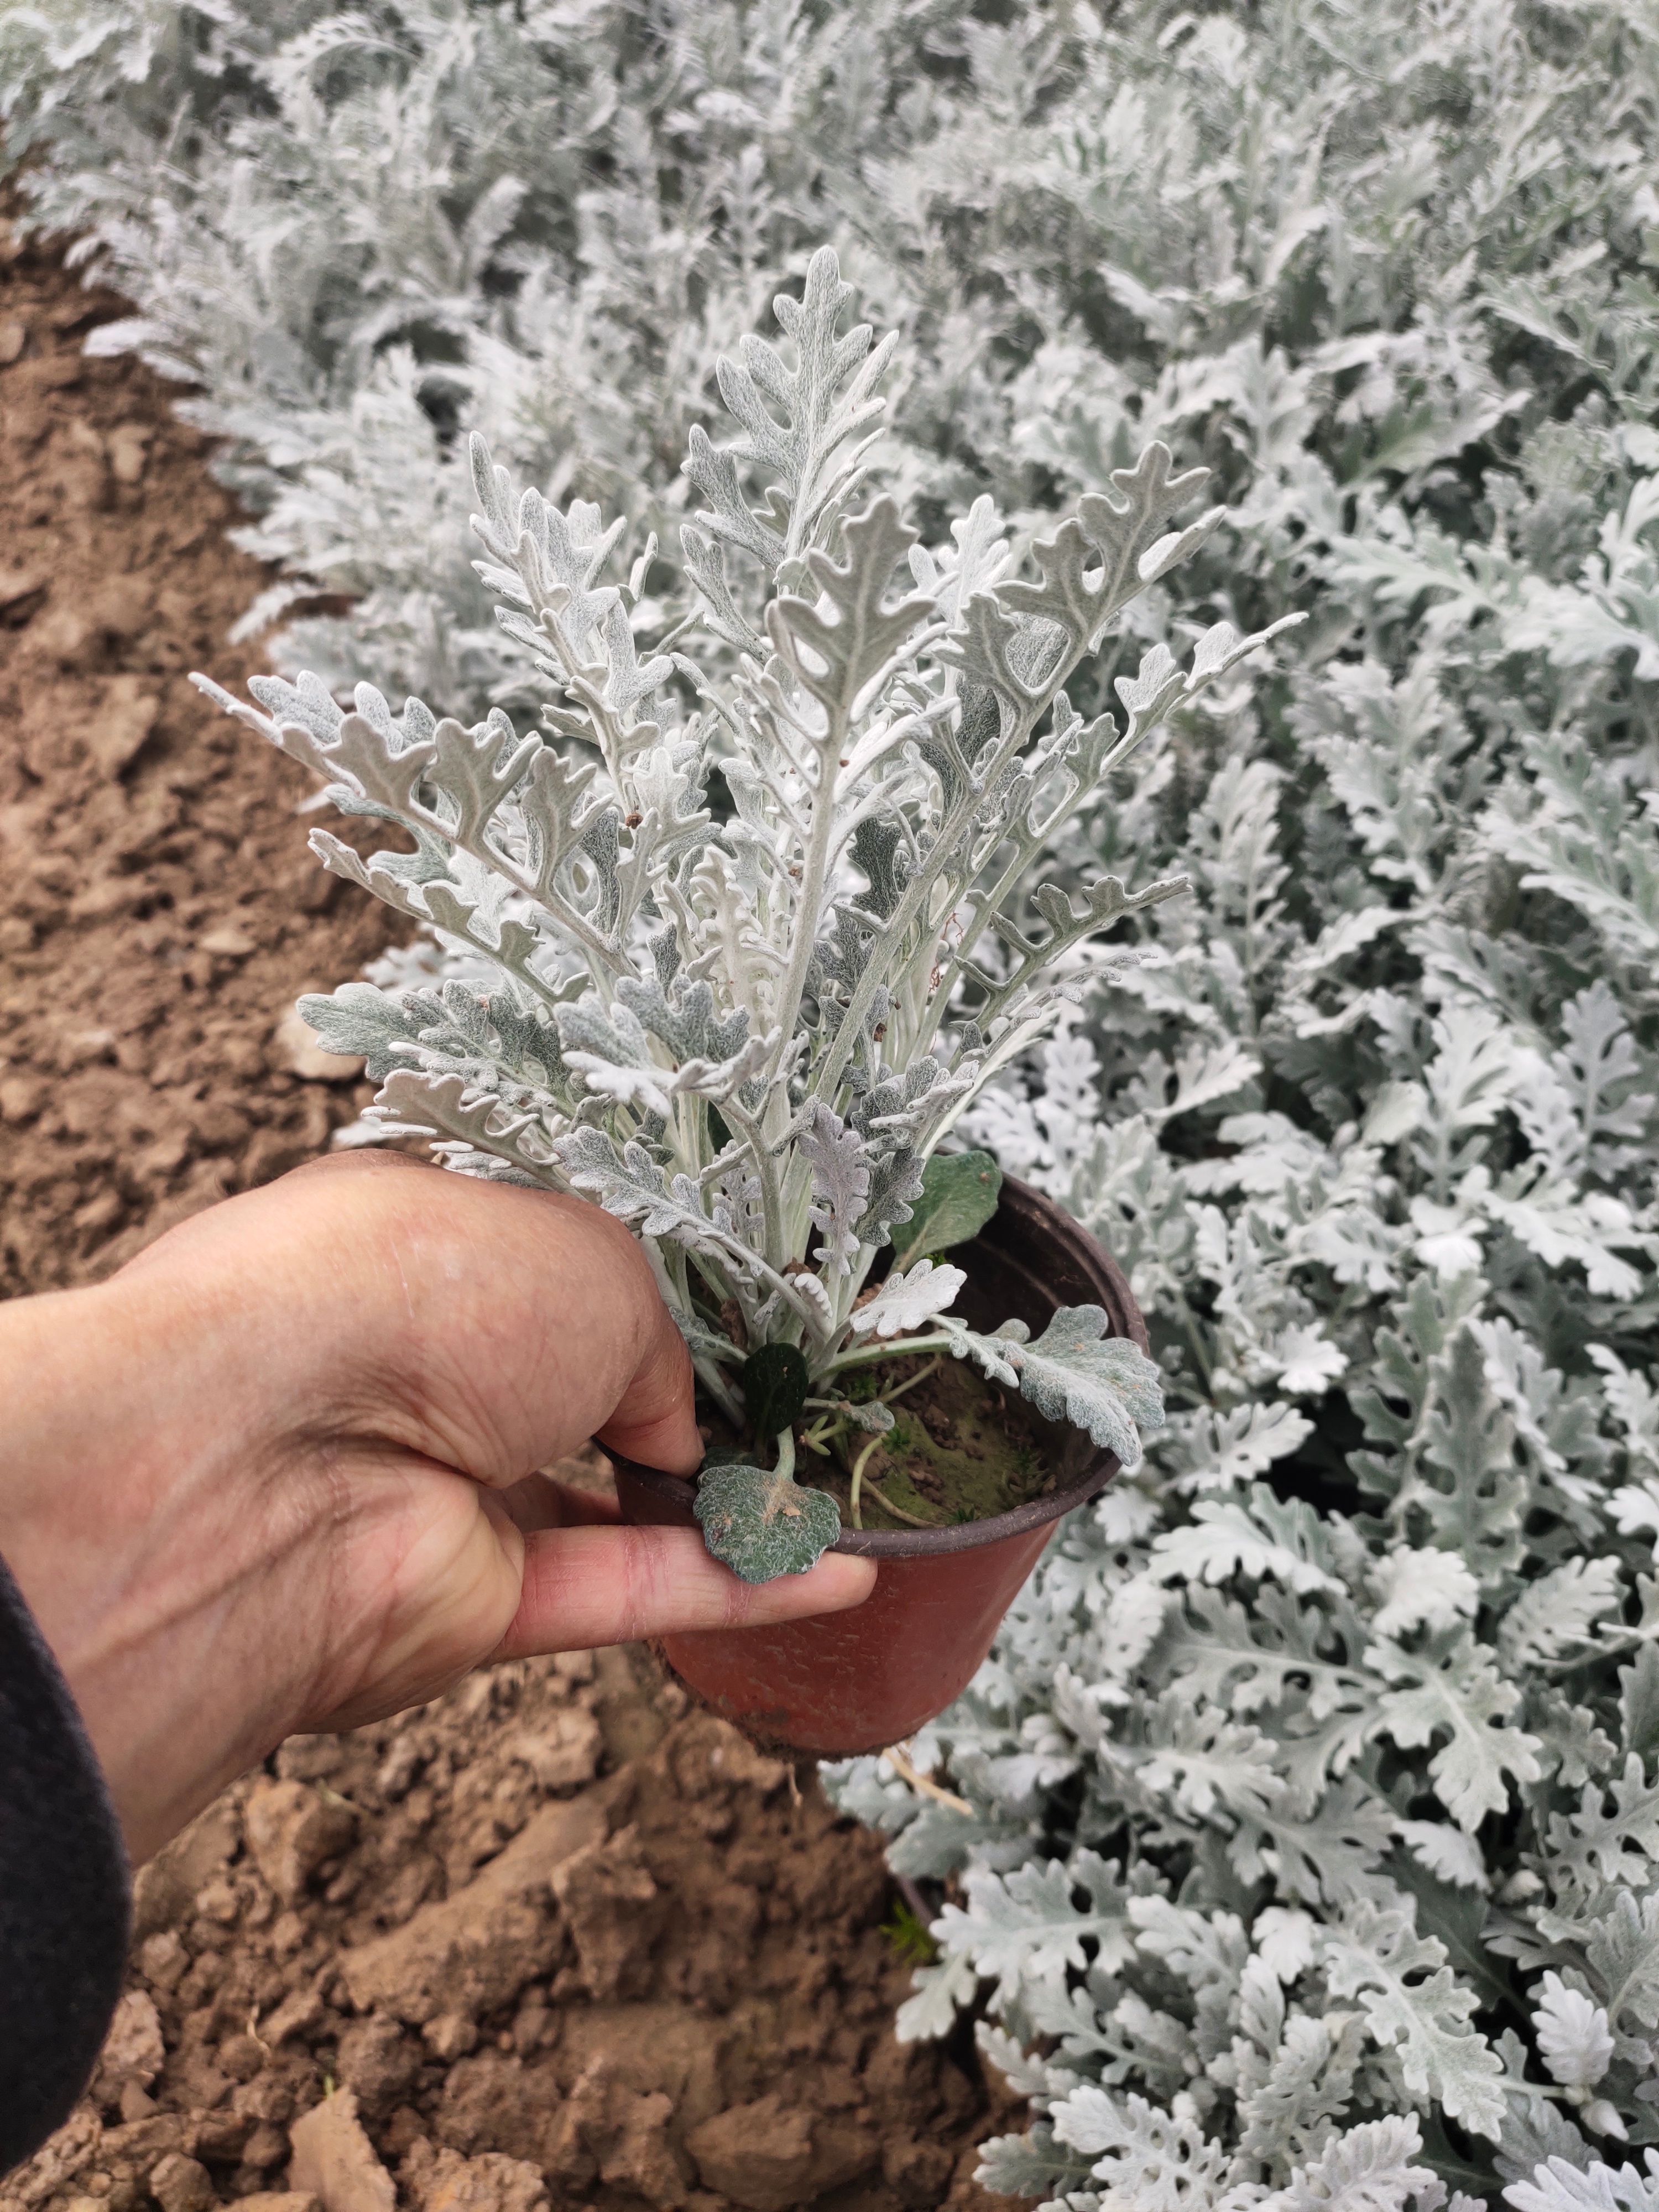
pixel 960 1448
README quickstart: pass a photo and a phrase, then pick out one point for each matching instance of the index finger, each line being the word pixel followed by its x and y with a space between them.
pixel 585 1587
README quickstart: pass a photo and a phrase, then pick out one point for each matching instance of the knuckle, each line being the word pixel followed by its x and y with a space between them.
pixel 645 1579
pixel 737 1602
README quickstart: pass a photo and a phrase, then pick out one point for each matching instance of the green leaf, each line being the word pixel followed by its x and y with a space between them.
pixel 763 1524
pixel 775 1387
pixel 959 1193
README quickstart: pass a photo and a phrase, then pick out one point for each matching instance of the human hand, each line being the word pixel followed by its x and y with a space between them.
pixel 258 1482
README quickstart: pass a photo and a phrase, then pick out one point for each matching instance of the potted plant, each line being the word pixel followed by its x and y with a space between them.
pixel 763 920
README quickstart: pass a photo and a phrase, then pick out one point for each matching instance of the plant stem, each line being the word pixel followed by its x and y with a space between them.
pixel 956 826
pixel 899 1513
pixel 766 1170
pixel 859 1465
pixel 885 1502
pixel 921 1375
pixel 714 1381
pixel 897 1756
pixel 814 871
pixel 887 1350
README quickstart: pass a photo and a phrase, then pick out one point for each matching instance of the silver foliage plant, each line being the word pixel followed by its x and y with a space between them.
pixel 1304 1828
pixel 1306 1820
pixel 1314 1774
pixel 747 1035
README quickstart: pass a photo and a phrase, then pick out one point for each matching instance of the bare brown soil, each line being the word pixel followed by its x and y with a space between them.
pixel 565 1941
pixel 161 909
pixel 556 1942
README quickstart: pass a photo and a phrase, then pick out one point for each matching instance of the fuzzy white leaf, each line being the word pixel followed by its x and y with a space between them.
pixel 908 1301
pixel 1422 1589
pixel 1574 2040
pixel 1075 1372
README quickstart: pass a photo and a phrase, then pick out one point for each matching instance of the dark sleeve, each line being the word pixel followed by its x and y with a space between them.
pixel 64 1891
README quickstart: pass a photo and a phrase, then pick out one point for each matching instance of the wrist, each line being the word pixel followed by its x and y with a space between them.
pixel 137 1540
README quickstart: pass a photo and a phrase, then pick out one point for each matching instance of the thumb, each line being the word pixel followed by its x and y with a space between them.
pixel 655 1421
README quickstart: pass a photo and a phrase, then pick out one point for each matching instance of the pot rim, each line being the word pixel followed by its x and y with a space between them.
pixel 970 1536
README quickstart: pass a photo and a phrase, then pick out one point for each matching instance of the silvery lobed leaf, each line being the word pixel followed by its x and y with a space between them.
pixel 1452 1687
pixel 763 1524
pixel 703 1341
pixel 872 1417
pixel 1415 2006
pixel 1574 2040
pixel 842 642
pixel 357 1018
pixel 621 1085
pixel 906 1302
pixel 1075 1372
pixel 840 1162
pixel 1557 2186
pixel 1367 2168
pixel 895 1180
pixel 719 1079
pixel 630 1185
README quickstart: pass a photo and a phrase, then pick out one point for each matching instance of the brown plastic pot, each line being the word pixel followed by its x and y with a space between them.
pixel 860 1680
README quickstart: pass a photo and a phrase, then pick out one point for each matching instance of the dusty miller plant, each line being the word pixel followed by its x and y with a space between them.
pixel 748 1035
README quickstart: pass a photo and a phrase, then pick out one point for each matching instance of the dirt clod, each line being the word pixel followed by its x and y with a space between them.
pixel 292 1830
pixel 474 1952
pixel 380 2062
pixel 133 2051
pixel 443 2181
pixel 181 2185
pixel 613 1910
pixel 768 2156
pixel 121 722
pixel 335 2161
